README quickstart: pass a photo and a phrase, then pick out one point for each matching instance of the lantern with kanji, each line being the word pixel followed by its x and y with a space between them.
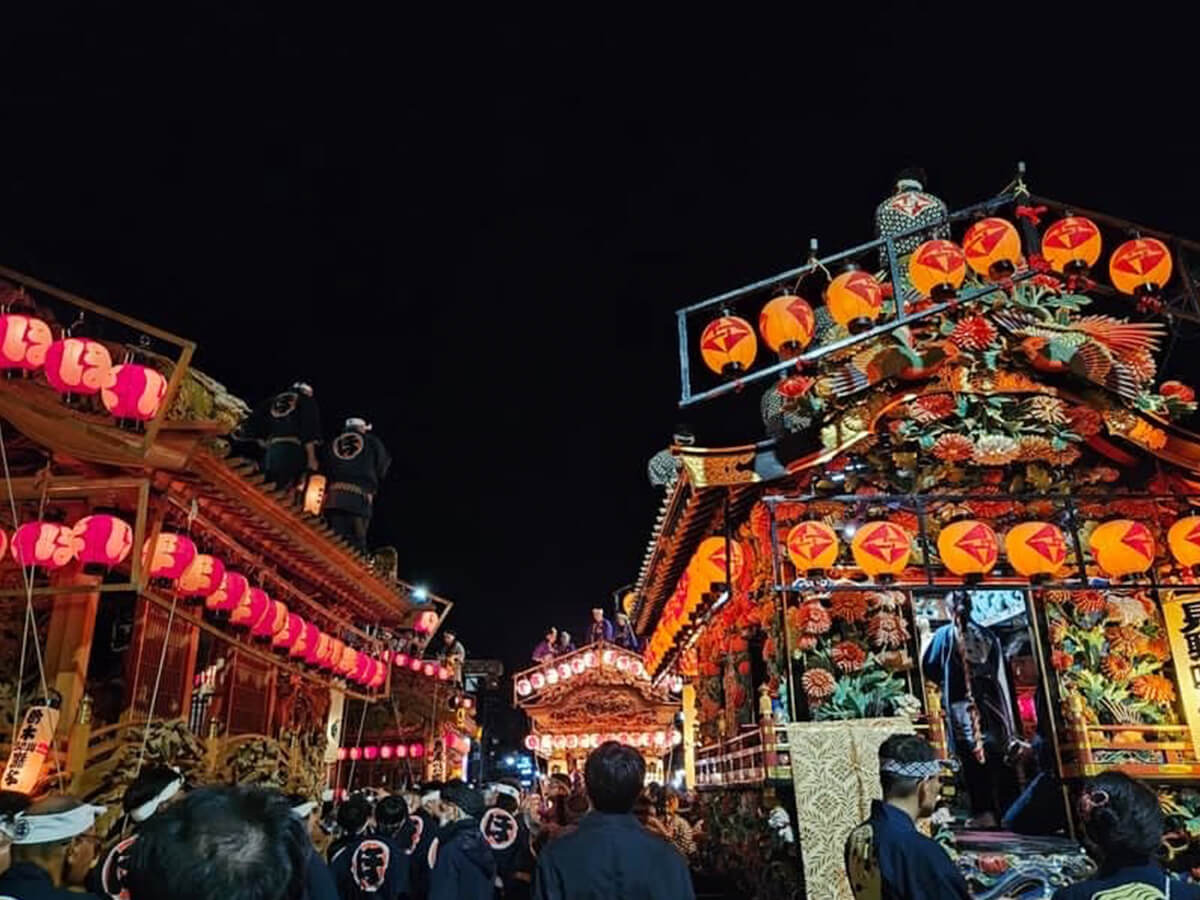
pixel 992 248
pixel 77 366
pixel 854 300
pixel 1141 266
pixel 1036 550
pixel 881 549
pixel 172 554
pixel 336 649
pixel 1072 245
pixel 229 592
pixel 44 545
pixel 348 661
pixel 787 325
pixel 103 541
pixel 426 622
pixel 24 341
pixel 812 546
pixel 937 269
pixel 202 576
pixel 273 622
pixel 968 548
pixel 728 345
pixel 133 392
pixel 710 566
pixel 254 606
pixel 1122 547
pixel 287 636
pixel 319 650
pixel 307 638
pixel 1184 540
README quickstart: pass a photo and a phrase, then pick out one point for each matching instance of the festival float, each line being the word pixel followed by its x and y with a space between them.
pixel 597 693
pixel 165 603
pixel 977 411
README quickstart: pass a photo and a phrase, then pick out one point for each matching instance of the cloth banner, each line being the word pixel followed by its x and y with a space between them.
pixel 835 771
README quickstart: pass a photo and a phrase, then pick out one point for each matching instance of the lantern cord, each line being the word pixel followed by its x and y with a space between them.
pixel 357 743
pixel 162 661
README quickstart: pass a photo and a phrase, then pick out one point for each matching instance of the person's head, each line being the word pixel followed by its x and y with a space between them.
pixel 551 635
pixel 357 424
pixel 911 179
pixel 683 436
pixel 564 638
pixel 614 774
pixel 58 835
pixel 559 785
pixel 577 807
pixel 228 843
pixel 303 387
pixel 507 793
pixel 597 614
pixel 353 814
pixel 431 798
pixel 11 803
pixel 448 637
pixel 154 789
pixel 1121 816
pixel 622 619
pixel 671 801
pixel 909 774
pixel 460 801
pixel 643 808
pixel 391 815
pixel 960 605
pixel 308 811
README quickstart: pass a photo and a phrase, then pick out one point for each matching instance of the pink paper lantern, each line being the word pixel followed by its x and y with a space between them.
pixel 273 622
pixel 319 650
pixel 24 341
pixel 229 592
pixel 172 554
pixel 103 540
pixel 385 751
pixel 286 637
pixel 531 742
pixel 401 751
pixel 342 753
pixel 254 606
pixel 308 638
pixel 444 673
pixel 44 545
pixel 416 751
pixel 370 752
pixel 401 660
pixel 355 754
pixel 429 669
pixel 202 576
pixel 415 664
pixel 133 392
pixel 380 676
pixel 77 366
pixel 363 667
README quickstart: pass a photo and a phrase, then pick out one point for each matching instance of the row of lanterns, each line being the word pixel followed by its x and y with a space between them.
pixel 415 664
pixel 80 366
pixel 937 269
pixel 970 548
pixel 381 751
pixel 98 541
pixel 645 739
pixel 553 673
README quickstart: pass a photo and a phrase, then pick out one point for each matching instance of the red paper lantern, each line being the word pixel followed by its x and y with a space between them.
pixel 429 669
pixel 415 664
pixel 44 545
pixel 287 636
pixel 254 606
pixel 24 341
pixel 416 751
pixel 103 540
pixel 370 752
pixel 319 650
pixel 202 576
pixel 173 553
pixel 336 649
pixel 380 676
pixel 443 673
pixel 401 660
pixel 273 622
pixel 348 662
pixel 307 638
pixel 363 667
pixel 77 366
pixel 426 622
pixel 228 593
pixel 133 392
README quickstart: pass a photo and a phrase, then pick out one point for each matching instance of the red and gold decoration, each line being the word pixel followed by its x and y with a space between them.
pixel 728 345
pixel 133 392
pixel 992 248
pixel 1184 540
pixel 1037 550
pixel 77 366
pixel 854 299
pixel 1072 245
pixel 172 554
pixel 787 325
pixel 881 549
pixel 24 341
pixel 813 546
pixel 937 269
pixel 44 545
pixel 968 548
pixel 103 540
pixel 1122 547
pixel 1141 266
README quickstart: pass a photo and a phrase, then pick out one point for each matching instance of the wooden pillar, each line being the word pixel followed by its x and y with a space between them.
pixel 69 641
pixel 689 734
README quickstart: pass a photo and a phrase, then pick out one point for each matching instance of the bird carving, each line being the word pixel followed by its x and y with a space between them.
pixel 892 358
pixel 1102 349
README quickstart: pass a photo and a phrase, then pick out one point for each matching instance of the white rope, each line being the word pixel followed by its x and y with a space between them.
pixel 162 661
pixel 357 743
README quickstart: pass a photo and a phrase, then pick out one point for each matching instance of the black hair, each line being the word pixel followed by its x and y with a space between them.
pixel 150 782
pixel 229 843
pixel 295 800
pixel 11 803
pixel 562 779
pixel 352 815
pixel 913 173
pixel 903 748
pixel 614 774
pixel 391 814
pixel 1121 816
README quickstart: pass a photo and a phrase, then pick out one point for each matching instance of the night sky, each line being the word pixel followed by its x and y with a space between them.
pixel 474 233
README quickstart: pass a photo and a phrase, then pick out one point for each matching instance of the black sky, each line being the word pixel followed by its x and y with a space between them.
pixel 475 232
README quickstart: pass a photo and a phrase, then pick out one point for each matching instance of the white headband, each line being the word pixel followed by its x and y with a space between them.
pixel 507 789
pixel 909 184
pixel 327 795
pixel 304 810
pixel 150 807
pixel 431 797
pixel 50 828
pixel 922 769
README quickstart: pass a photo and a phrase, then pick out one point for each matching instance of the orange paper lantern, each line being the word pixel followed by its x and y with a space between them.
pixel 1140 266
pixel 173 553
pixel 273 622
pixel 937 269
pixel 1122 547
pixel 968 548
pixel 133 392
pixel 728 345
pixel 881 549
pixel 708 565
pixel 24 341
pixel 787 324
pixel 1036 550
pixel 812 546
pixel 1072 245
pixel 992 247
pixel 202 576
pixel 854 300
pixel 1184 540
pixel 44 545
pixel 103 540
pixel 229 592
pixel 77 366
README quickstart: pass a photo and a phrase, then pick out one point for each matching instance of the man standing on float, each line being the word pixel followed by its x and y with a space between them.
pixel 356 463
pixel 289 426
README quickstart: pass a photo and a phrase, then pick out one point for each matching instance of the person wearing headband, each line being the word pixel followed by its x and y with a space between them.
pixel 886 857
pixel 600 628
pixel 505 830
pixel 548 647
pixel 1123 827
pixel 355 462
pixel 318 880
pixel 376 865
pixel 11 803
pixel 464 867
pixel 53 844
pixel 289 426
pixel 155 788
pixel 353 816
pixel 625 635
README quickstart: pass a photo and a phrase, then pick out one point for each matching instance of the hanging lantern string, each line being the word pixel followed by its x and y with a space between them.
pixel 162 660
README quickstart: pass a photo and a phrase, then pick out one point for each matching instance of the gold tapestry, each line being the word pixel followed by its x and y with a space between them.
pixel 835 770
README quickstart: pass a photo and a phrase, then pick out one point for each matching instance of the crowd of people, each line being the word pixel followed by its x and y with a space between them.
pixel 557 643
